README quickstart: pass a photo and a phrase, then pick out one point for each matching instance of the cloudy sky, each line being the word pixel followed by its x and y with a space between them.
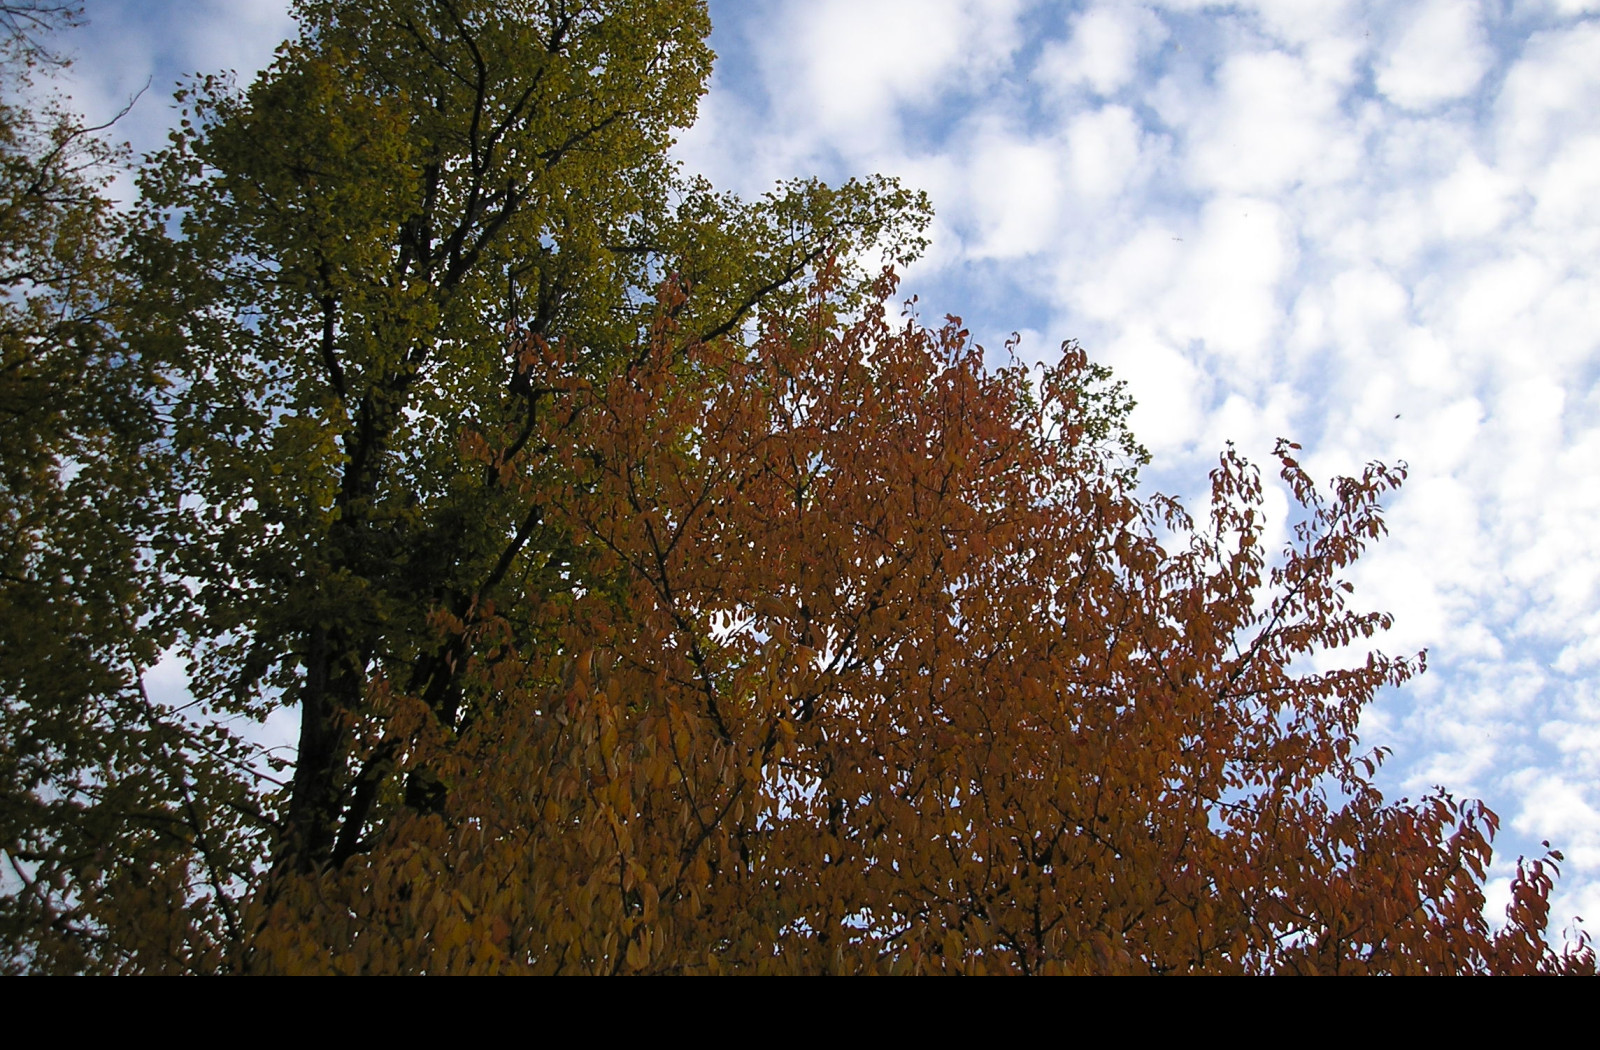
pixel 1371 227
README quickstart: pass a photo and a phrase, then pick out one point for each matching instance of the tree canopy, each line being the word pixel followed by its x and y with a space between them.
pixel 653 595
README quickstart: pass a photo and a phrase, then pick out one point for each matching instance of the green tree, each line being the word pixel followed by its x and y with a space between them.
pixel 351 270
pixel 111 829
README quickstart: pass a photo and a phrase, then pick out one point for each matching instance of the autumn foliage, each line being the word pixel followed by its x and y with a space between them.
pixel 885 668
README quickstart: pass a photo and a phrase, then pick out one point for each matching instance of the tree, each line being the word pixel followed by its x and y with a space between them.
pixel 345 271
pixel 99 788
pixel 651 602
pixel 892 673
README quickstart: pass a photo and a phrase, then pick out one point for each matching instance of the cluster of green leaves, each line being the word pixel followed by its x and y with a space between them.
pixel 114 812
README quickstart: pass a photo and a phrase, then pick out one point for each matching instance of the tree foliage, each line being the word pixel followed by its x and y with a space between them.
pixel 412 192
pixel 894 673
pixel 650 600
pixel 110 808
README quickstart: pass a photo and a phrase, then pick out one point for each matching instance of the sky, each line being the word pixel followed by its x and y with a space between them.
pixel 1370 227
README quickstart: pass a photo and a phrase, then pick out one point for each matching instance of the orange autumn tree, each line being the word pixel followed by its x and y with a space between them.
pixel 879 664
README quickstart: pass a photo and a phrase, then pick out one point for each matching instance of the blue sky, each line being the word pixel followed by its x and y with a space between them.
pixel 1372 227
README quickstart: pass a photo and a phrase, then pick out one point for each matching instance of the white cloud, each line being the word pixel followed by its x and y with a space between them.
pixel 1166 384
pixel 1104 51
pixel 1217 286
pixel 1473 200
pixel 1272 122
pixel 1364 307
pixel 1555 808
pixel 1578 734
pixel 1551 95
pixel 1013 194
pixel 1567 193
pixel 1229 291
pixel 1103 151
pixel 1128 278
pixel 840 69
pixel 1439 55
